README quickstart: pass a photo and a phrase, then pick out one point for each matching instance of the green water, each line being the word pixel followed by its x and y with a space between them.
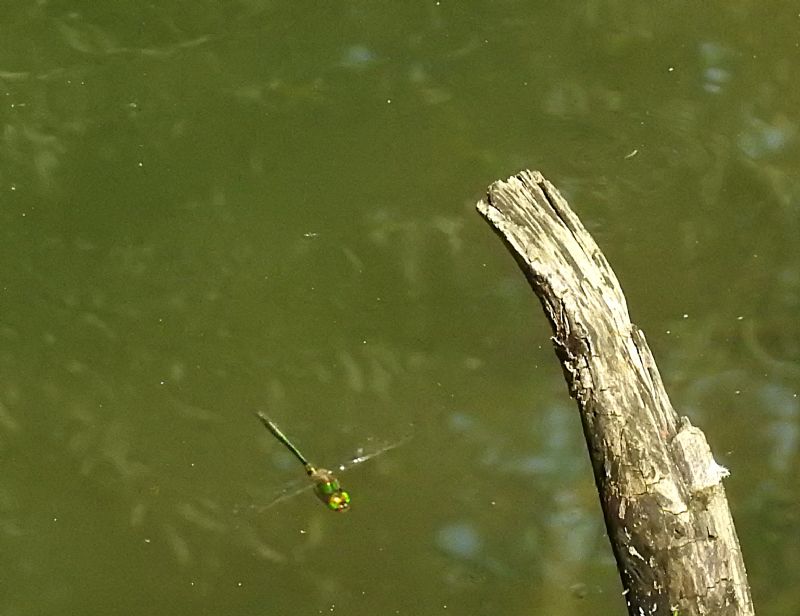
pixel 210 209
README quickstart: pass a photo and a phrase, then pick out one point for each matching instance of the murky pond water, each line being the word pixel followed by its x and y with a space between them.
pixel 212 210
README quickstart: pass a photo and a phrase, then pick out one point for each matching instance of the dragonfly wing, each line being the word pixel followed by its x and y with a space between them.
pixel 364 454
pixel 290 490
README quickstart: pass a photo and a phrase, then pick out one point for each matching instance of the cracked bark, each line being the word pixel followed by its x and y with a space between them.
pixel 660 489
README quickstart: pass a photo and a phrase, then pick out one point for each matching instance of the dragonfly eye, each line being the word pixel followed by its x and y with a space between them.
pixel 340 501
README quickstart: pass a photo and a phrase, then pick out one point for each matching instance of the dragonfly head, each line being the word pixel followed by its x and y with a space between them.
pixel 339 501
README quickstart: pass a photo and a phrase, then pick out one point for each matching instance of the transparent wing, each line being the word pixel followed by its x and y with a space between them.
pixel 289 490
pixel 363 454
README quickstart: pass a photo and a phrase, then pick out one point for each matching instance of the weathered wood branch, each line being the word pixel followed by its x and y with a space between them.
pixel 660 489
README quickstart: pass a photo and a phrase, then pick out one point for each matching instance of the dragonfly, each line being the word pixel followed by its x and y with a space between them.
pixel 325 483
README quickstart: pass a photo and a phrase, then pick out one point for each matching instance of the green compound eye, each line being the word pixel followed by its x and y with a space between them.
pixel 340 501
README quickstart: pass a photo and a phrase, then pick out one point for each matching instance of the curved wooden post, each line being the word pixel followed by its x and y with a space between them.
pixel 660 489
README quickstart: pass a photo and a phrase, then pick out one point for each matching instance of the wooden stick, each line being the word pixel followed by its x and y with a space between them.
pixel 660 489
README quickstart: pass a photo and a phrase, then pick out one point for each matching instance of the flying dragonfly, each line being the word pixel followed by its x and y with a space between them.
pixel 324 482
